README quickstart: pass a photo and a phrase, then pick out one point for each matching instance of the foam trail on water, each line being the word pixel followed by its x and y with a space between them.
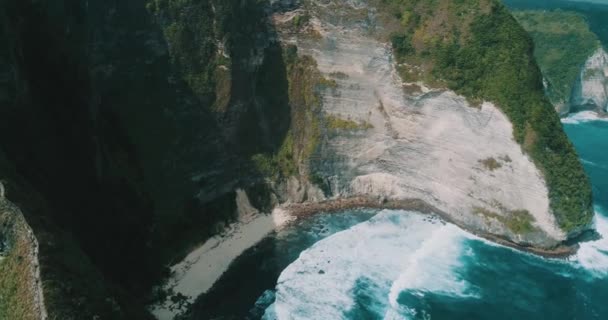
pixel 593 164
pixel 593 255
pixel 360 272
pixel 583 116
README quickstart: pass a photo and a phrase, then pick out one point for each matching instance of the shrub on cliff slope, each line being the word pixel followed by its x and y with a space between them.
pixel 478 49
pixel 188 28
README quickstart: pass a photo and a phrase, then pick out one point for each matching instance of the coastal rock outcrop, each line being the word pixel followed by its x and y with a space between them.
pixel 590 91
pixel 427 144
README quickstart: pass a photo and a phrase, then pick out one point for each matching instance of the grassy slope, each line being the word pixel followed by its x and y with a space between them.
pixel 563 42
pixel 476 48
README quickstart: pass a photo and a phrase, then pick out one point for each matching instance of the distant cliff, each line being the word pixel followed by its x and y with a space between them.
pixel 590 91
pixel 569 47
pixel 562 43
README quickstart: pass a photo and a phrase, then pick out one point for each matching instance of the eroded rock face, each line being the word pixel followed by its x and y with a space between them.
pixel 591 89
pixel 415 143
pixel 19 265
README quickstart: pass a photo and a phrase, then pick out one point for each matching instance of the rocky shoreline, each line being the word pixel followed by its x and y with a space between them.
pixel 303 210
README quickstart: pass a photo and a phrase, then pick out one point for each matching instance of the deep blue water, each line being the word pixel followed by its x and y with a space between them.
pixel 402 265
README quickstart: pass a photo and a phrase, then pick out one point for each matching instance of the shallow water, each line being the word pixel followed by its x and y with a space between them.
pixel 404 265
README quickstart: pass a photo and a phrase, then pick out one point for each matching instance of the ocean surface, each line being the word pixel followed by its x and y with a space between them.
pixel 402 265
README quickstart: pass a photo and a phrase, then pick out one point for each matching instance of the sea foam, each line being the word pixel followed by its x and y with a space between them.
pixel 360 272
pixel 593 255
pixel 583 116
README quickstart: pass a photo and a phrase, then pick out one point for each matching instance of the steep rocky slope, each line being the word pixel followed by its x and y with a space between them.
pixel 590 91
pixel 133 130
pixel 362 136
pixel 430 145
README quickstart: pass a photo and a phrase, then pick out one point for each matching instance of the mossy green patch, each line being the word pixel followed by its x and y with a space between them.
pixel 188 29
pixel 279 165
pixel 306 85
pixel 490 163
pixel 339 75
pixel 518 221
pixel 336 123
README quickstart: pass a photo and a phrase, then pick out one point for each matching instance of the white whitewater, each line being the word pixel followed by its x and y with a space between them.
pixel 393 252
pixel 583 116
pixel 399 252
pixel 593 255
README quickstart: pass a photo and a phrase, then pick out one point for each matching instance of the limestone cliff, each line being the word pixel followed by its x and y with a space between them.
pixel 397 140
pixel 590 92
pixel 127 127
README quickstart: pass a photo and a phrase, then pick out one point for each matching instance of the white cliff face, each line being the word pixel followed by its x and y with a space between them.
pixel 429 145
pixel 591 89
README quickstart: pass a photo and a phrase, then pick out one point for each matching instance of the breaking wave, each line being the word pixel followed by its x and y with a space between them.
pixel 593 255
pixel 362 272
pixel 583 116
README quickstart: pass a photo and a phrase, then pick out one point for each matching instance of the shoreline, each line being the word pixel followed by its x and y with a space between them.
pixel 584 116
pixel 202 267
pixel 330 206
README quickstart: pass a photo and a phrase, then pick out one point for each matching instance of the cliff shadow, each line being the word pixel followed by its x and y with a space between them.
pixel 133 161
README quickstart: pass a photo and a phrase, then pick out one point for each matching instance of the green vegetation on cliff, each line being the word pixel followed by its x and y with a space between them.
pixel 305 86
pixel 280 164
pixel 562 44
pixel 336 123
pixel 476 48
pixel 188 28
pixel 518 221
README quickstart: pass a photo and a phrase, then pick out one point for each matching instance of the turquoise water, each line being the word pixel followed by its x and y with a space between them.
pixel 403 265
pixel 590 139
